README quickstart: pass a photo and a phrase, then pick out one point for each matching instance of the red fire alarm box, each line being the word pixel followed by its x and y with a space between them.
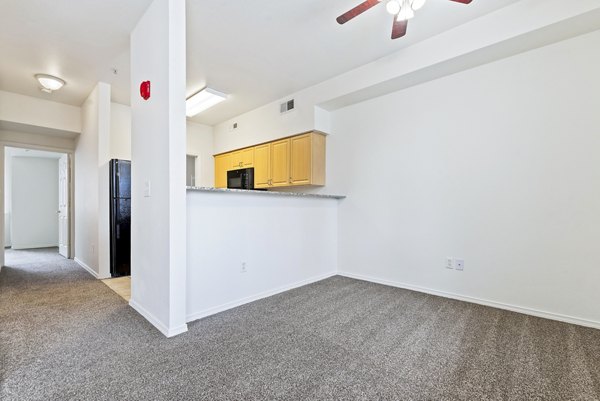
pixel 145 90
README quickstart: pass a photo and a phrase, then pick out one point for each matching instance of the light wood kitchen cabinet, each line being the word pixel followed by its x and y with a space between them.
pixel 307 159
pixel 293 161
pixel 280 163
pixel 300 160
pixel 242 158
pixel 248 157
pixel 262 165
pixel 222 165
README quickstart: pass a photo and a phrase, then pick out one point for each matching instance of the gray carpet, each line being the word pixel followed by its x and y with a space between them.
pixel 66 336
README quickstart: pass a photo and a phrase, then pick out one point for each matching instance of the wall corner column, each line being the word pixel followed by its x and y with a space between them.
pixel 158 149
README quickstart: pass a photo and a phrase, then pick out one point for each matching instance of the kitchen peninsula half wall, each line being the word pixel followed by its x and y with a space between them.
pixel 247 245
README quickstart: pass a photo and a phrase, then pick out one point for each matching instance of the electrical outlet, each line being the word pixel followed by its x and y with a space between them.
pixel 449 263
pixel 460 264
pixel 244 270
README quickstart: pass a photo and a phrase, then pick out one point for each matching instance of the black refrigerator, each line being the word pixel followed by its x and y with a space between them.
pixel 120 218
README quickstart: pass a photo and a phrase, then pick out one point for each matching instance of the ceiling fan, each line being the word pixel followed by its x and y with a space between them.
pixel 402 10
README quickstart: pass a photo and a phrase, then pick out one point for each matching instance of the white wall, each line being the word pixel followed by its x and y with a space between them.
pixel 2 217
pixel 91 144
pixel 498 165
pixel 37 141
pixel 284 241
pixel 200 143
pixel 199 139
pixel 34 202
pixel 120 131
pixel 86 181
pixel 7 197
pixel 158 148
pixel 105 145
pixel 21 109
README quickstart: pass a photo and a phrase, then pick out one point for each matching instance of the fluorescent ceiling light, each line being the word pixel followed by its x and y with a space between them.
pixel 203 100
pixel 49 83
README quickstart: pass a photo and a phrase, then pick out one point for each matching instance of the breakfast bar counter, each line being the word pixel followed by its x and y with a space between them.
pixel 267 193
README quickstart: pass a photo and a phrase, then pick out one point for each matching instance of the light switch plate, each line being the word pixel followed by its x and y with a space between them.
pixel 147 189
pixel 449 262
pixel 459 264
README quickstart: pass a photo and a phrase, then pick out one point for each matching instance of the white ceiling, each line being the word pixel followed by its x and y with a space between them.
pixel 79 41
pixel 257 51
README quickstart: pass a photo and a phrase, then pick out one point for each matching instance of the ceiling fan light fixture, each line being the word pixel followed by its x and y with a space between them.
pixel 393 7
pixel 49 83
pixel 417 4
pixel 402 11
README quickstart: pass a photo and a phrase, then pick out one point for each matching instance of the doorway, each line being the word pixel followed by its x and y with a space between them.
pixel 37 201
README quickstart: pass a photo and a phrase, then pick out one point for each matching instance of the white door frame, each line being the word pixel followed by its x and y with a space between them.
pixel 71 153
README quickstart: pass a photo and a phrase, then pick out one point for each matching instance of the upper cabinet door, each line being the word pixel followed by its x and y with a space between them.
pixel 300 160
pixel 242 158
pixel 262 165
pixel 247 157
pixel 222 165
pixel 235 160
pixel 280 163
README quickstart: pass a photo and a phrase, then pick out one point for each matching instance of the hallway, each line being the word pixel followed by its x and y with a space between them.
pixel 58 325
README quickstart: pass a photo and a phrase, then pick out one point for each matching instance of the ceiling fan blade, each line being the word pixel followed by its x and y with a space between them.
pixel 399 28
pixel 356 11
pixel 463 1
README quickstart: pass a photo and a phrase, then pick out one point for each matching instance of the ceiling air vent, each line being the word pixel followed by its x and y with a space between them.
pixel 287 106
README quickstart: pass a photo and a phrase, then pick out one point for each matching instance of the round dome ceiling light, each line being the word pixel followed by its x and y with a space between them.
pixel 49 83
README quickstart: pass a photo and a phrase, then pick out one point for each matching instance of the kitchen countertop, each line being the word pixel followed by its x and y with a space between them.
pixel 268 193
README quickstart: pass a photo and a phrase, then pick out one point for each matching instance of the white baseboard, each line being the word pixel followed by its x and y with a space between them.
pixel 86 267
pixel 265 294
pixel 90 270
pixel 479 301
pixel 168 332
pixel 22 247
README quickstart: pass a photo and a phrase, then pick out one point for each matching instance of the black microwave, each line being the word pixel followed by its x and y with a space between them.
pixel 241 179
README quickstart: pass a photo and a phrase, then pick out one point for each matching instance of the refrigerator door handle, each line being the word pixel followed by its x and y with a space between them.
pixel 118 178
pixel 118 231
